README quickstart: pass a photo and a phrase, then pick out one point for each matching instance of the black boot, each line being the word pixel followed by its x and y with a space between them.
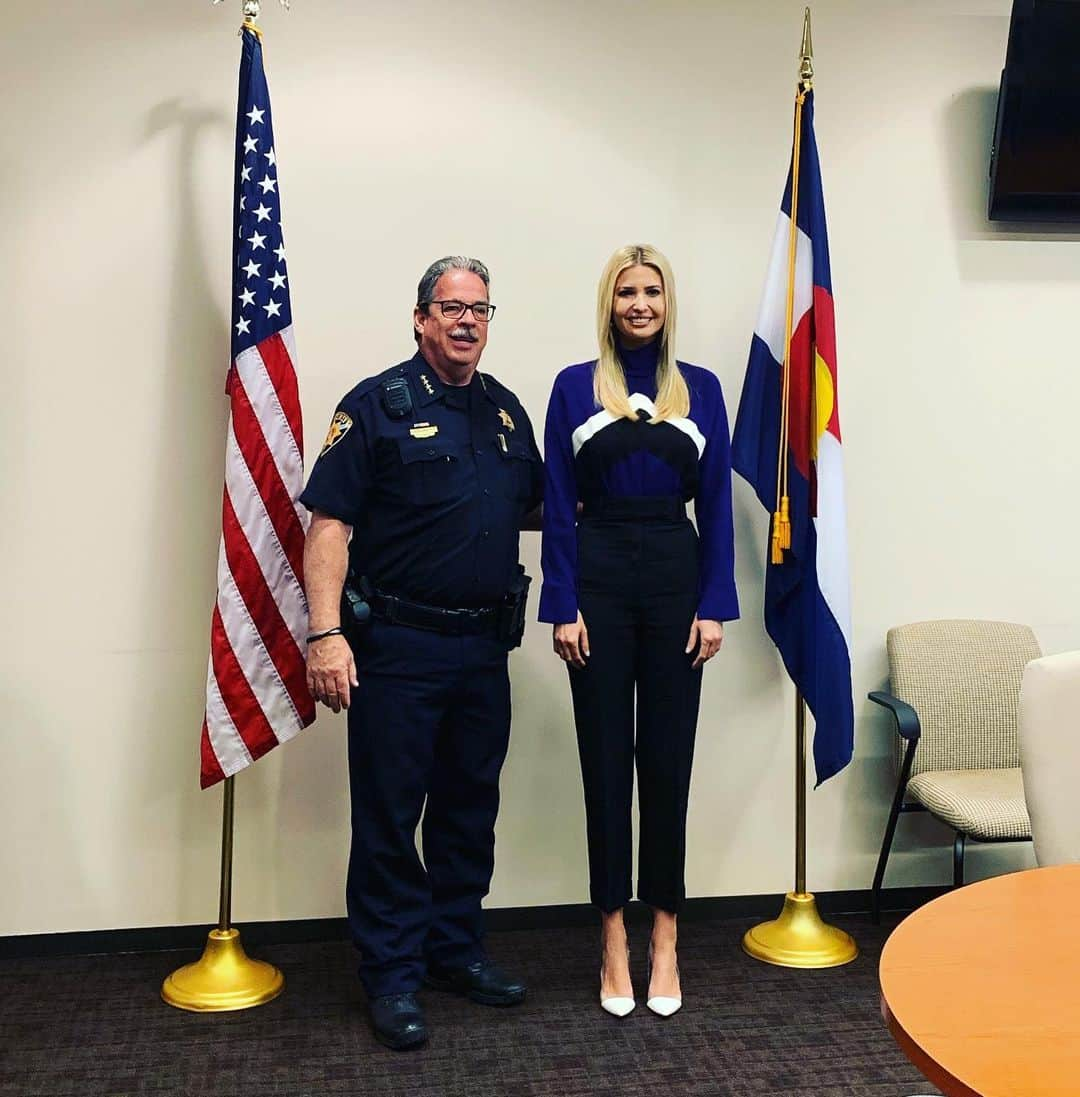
pixel 481 982
pixel 398 1021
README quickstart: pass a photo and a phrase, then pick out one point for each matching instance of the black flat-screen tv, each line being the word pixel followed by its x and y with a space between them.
pixel 1035 160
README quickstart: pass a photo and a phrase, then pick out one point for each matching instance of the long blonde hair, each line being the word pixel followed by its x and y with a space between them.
pixel 609 380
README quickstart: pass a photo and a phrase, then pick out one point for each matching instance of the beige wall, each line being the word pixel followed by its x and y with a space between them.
pixel 539 137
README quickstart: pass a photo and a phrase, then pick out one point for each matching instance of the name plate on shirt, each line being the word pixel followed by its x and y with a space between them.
pixel 423 430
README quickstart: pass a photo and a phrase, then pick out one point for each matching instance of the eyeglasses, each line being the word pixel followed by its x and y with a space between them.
pixel 482 311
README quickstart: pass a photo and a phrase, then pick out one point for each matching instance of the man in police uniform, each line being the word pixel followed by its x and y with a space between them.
pixel 431 469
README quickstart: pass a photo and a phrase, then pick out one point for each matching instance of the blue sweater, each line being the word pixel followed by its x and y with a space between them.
pixel 589 454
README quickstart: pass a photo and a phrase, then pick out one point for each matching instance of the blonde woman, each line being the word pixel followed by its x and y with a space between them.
pixel 636 595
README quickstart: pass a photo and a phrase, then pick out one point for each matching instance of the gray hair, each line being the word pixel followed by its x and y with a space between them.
pixel 425 291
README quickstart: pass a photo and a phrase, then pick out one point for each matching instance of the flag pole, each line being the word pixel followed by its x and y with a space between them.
pixel 798 938
pixel 225 978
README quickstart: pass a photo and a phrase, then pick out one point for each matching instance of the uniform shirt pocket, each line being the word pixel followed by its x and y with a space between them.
pixel 516 467
pixel 432 470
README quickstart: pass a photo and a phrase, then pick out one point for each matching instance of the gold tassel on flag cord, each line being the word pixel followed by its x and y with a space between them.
pixel 781 524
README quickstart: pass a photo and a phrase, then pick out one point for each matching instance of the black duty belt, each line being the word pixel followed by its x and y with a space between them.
pixel 641 508
pixel 449 622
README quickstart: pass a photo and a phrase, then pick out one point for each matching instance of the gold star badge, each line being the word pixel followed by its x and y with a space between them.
pixel 504 416
pixel 427 384
pixel 340 425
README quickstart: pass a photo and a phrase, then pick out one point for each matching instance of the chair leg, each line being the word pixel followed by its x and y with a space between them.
pixel 890 831
pixel 958 859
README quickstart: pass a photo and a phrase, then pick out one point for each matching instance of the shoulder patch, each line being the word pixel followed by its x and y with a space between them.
pixel 340 425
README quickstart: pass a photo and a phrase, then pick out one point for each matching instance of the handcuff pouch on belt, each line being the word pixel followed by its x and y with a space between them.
pixel 510 626
pixel 355 604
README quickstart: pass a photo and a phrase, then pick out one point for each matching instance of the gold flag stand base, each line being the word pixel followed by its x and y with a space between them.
pixel 224 979
pixel 799 938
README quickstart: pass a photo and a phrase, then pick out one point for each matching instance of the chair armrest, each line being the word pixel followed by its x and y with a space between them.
pixel 907 719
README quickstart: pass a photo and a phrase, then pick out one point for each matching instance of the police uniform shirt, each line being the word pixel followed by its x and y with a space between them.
pixel 435 497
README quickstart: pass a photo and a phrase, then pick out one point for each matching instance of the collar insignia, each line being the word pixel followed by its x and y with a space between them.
pixel 427 384
pixel 504 417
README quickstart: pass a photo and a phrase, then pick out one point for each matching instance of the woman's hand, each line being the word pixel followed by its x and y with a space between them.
pixel 709 635
pixel 331 670
pixel 571 642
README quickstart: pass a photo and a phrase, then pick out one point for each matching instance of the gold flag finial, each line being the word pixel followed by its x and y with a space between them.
pixel 251 13
pixel 806 68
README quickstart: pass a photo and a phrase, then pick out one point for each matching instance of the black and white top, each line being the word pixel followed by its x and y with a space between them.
pixel 590 453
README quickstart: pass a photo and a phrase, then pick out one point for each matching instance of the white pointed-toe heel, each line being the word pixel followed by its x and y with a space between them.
pixel 664 1007
pixel 661 1005
pixel 616 1005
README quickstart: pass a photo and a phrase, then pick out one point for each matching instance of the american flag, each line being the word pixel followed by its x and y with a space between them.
pixel 256 692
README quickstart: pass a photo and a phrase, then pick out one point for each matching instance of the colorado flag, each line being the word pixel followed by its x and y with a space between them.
pixel 807 599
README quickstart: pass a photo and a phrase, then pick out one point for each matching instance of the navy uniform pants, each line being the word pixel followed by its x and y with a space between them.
pixel 638 592
pixel 429 728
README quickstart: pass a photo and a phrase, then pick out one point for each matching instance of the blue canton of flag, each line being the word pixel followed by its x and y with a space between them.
pixel 260 283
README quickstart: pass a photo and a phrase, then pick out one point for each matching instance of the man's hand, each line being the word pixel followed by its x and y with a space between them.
pixel 571 642
pixel 331 670
pixel 710 635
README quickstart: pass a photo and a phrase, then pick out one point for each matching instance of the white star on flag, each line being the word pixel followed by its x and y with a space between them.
pixel 252 268
pixel 272 309
pixel 250 143
pixel 279 251
pixel 256 241
pixel 246 298
pixel 255 115
pixel 243 326
pixel 245 174
pixel 270 157
pixel 278 280
pixel 263 212
pixel 268 184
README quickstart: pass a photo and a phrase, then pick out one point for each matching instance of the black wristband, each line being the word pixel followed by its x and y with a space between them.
pixel 338 631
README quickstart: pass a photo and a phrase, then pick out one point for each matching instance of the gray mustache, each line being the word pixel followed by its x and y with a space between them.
pixel 463 333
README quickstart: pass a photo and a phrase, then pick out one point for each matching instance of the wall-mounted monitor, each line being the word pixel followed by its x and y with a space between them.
pixel 1035 161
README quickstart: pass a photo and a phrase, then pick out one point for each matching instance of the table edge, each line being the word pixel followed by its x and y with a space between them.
pixel 932 1070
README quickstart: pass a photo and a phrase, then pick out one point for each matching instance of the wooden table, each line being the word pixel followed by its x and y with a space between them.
pixel 981 988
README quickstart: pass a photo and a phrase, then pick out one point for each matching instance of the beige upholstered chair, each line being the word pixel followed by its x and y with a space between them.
pixel 1050 755
pixel 955 695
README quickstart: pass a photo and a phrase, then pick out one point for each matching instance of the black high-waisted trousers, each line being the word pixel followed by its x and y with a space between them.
pixel 638 592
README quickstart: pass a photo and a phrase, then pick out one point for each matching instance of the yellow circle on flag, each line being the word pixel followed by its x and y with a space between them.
pixel 824 397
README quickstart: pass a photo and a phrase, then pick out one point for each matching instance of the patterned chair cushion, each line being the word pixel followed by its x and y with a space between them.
pixel 983 803
pixel 963 679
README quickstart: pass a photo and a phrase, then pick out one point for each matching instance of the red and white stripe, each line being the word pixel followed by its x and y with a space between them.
pixel 256 691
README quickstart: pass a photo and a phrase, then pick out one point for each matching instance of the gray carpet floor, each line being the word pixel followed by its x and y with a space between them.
pixel 94 1025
